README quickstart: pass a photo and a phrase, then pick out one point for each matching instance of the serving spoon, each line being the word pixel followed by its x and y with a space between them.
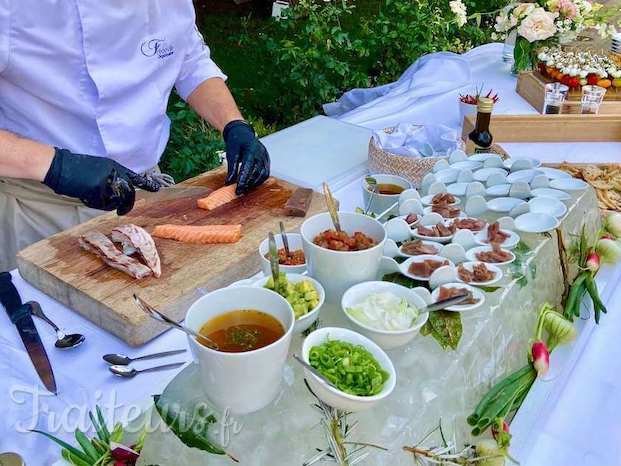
pixel 332 208
pixel 285 240
pixel 123 360
pixel 157 315
pixel 130 372
pixel 63 340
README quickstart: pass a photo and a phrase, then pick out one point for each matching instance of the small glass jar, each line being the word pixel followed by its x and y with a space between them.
pixel 556 93
pixel 592 98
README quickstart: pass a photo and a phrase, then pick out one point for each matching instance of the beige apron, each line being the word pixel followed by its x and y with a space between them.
pixel 29 212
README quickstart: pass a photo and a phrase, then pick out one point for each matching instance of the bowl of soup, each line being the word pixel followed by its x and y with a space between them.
pixel 385 193
pixel 252 328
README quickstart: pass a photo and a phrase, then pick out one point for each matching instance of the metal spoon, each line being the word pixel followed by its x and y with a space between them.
pixel 285 241
pixel 274 262
pixel 63 341
pixel 157 315
pixel 122 360
pixel 313 370
pixel 439 305
pixel 332 208
pixel 372 182
pixel 130 372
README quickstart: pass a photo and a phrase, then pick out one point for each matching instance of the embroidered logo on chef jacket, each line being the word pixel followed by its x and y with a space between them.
pixel 160 48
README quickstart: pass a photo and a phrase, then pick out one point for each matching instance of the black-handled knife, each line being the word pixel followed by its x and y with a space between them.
pixel 20 316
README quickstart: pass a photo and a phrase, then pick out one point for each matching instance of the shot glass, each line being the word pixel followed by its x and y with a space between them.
pixel 556 93
pixel 592 97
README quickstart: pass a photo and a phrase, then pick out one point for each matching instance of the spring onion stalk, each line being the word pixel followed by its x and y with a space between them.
pixel 609 250
pixel 612 224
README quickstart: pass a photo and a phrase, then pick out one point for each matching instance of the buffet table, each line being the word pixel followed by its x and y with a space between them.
pixel 576 408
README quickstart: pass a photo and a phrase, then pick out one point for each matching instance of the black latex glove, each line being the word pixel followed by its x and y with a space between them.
pixel 99 182
pixel 247 158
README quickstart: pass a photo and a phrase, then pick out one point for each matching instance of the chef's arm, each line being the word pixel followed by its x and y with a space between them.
pixel 213 101
pixel 23 158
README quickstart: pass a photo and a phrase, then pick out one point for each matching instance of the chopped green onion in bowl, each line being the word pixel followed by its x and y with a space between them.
pixel 351 368
pixel 384 311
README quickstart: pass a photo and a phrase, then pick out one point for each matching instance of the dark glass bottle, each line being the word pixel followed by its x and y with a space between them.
pixel 480 136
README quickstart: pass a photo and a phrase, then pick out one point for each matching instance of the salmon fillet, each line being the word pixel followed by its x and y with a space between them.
pixel 223 196
pixel 204 234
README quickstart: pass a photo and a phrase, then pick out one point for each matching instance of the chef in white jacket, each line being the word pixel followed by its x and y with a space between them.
pixel 84 86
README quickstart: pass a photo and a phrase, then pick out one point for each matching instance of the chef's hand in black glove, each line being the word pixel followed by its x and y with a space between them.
pixel 99 182
pixel 247 158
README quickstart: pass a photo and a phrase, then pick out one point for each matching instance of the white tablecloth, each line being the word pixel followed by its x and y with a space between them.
pixel 579 418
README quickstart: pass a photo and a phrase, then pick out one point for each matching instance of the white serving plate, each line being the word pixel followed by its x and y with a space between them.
pixel 448 175
pixel 536 223
pixel 467 165
pixel 511 242
pixel 569 184
pixel 476 293
pixel 426 200
pixel 504 204
pixel 471 254
pixel 437 239
pixel 403 267
pixel 509 162
pixel 429 210
pixel 468 229
pixel 484 173
pixel 498 274
pixel 499 190
pixel 547 205
pixel 334 397
pixel 385 339
pixel 457 189
pixel 482 157
pixel 554 173
pixel 550 192
pixel 435 244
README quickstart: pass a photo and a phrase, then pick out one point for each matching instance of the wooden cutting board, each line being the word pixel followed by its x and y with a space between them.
pixel 60 268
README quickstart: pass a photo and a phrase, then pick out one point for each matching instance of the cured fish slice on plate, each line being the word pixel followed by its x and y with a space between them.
pixel 100 245
pixel 203 234
pixel 223 196
pixel 135 240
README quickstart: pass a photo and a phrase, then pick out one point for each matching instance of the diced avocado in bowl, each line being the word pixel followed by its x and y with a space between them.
pixel 302 295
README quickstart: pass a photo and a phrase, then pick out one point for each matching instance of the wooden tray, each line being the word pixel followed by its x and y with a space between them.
pixel 103 295
pixel 550 128
pixel 531 86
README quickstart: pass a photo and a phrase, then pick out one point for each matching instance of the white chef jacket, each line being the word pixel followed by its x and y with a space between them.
pixel 94 76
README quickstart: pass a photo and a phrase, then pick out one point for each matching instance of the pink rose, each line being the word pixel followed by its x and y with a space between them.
pixel 538 25
pixel 567 8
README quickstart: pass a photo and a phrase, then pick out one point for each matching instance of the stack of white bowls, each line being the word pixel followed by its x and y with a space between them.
pixel 616 44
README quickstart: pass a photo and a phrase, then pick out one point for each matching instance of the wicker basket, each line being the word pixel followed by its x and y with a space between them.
pixel 411 168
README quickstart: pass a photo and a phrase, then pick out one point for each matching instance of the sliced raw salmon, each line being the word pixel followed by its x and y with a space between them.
pixel 223 196
pixel 203 234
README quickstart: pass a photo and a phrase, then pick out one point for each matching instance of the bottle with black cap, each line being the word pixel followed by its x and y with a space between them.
pixel 481 136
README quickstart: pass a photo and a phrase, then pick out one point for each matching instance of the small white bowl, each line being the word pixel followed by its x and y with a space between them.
pixel 498 190
pixel 447 175
pixel 471 254
pixel 435 244
pixel 382 202
pixel 413 224
pixel 467 165
pixel 429 210
pixel 404 266
pixel 509 243
pixel 554 173
pixel 386 339
pixel 550 192
pixel 295 242
pixel 569 184
pixel 547 205
pixel 426 200
pixel 476 293
pixel 504 204
pixel 482 156
pixel 509 162
pixel 457 189
pixel 437 239
pixel 483 174
pixel 304 322
pixel 498 274
pixel 334 397
pixel 536 223
pixel 523 175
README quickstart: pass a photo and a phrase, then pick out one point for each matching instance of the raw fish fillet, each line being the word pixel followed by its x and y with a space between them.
pixel 223 196
pixel 204 234
pixel 135 239
pixel 100 245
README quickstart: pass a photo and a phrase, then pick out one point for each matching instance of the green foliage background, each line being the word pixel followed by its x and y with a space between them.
pixel 280 72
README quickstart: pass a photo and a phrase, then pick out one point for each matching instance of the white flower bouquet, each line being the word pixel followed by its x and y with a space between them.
pixel 551 22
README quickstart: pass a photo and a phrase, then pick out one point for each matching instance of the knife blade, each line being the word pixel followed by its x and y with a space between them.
pixel 20 316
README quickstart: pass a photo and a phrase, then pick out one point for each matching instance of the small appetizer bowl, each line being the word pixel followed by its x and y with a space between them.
pixel 476 293
pixel 304 322
pixel 569 184
pixel 434 244
pixel 334 397
pixel 382 202
pixel 498 274
pixel 429 210
pixel 509 243
pixel 551 192
pixel 404 266
pixel 504 204
pixel 426 200
pixel 484 173
pixel 437 239
pixel 295 242
pixel 385 339
pixel 471 254
pixel 536 223
pixel 547 205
